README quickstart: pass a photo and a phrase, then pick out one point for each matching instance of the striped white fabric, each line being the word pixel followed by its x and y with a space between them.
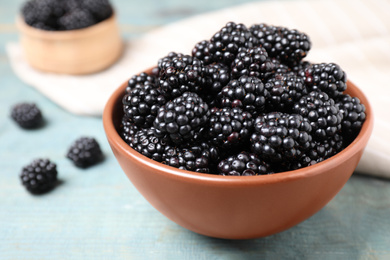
pixel 352 33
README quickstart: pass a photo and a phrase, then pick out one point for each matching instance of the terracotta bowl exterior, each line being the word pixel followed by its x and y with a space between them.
pixel 74 52
pixel 235 207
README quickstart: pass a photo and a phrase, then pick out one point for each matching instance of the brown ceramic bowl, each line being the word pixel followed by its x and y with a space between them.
pixel 80 51
pixel 235 207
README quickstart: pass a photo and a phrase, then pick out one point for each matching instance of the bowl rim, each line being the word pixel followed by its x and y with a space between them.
pixel 117 142
pixel 65 34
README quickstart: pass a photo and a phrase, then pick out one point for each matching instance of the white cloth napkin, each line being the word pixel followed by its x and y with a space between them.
pixel 353 34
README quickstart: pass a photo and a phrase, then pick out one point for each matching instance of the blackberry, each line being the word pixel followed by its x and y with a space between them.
pixel 353 115
pixel 326 77
pixel 139 81
pixel 141 104
pixel 252 62
pixel 77 19
pixel 100 9
pixel 322 112
pixel 285 90
pixel 201 51
pixel 127 129
pixel 197 157
pixel 320 151
pixel 243 164
pixel 287 45
pixel 180 73
pixel 280 137
pixel 246 92
pixel 43 14
pixel 182 118
pixel 229 127
pixel 27 115
pixel 225 44
pixel 217 76
pixel 39 176
pixel 145 142
pixel 85 152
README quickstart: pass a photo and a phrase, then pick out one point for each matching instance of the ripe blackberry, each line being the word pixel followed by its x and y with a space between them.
pixel 229 127
pixel 43 14
pixel 27 115
pixel 225 44
pixel 252 62
pixel 187 158
pixel 100 9
pixel 285 90
pixel 280 137
pixel 319 151
pixel 246 92
pixel 145 142
pixel 353 115
pixel 127 129
pixel 39 176
pixel 217 76
pixel 322 112
pixel 141 104
pixel 326 77
pixel 180 73
pixel 140 80
pixel 76 19
pixel 243 164
pixel 182 118
pixel 201 51
pixel 85 152
pixel 287 45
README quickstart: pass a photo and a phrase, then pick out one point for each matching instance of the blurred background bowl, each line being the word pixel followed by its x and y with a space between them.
pixel 75 52
pixel 234 207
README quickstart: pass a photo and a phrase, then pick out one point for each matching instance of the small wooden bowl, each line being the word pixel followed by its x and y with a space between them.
pixel 80 51
pixel 235 207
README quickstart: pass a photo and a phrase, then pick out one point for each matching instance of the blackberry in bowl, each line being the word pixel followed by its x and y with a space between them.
pixel 69 37
pixel 219 178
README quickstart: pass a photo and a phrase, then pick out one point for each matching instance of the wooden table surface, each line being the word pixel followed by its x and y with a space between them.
pixel 97 214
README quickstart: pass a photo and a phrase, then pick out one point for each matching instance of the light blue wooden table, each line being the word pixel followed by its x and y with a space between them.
pixel 97 213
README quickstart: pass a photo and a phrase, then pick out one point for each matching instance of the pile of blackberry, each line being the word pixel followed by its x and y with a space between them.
pixel 60 15
pixel 244 103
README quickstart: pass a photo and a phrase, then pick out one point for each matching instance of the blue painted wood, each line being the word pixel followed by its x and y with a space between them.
pixel 97 214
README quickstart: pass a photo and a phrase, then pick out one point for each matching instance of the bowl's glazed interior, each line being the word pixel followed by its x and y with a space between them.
pixel 229 206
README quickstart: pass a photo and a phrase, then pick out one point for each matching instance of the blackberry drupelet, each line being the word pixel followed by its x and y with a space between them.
pixel 140 80
pixel 182 118
pixel 243 164
pixel 229 127
pixel 252 62
pixel 141 104
pixel 289 46
pixel 353 115
pixel 246 92
pixel 85 152
pixel 27 115
pixel 39 176
pixel 326 77
pixel 145 142
pixel 285 90
pixel 280 137
pixel 322 112
pixel 179 73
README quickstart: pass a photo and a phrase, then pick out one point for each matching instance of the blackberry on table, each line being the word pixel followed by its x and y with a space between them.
pixel 252 62
pixel 323 114
pixel 39 176
pixel 280 137
pixel 243 164
pixel 85 152
pixel 284 91
pixel 142 103
pixel 182 118
pixel 353 115
pixel 229 127
pixel 145 142
pixel 246 92
pixel 27 115
pixel 326 77
pixel 287 45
